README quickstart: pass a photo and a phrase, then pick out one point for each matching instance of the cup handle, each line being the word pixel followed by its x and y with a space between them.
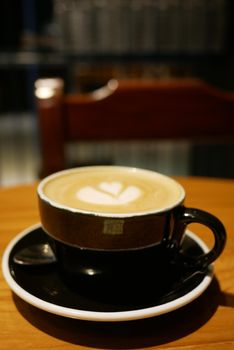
pixel 184 217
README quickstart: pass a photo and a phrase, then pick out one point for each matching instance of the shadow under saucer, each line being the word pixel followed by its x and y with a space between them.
pixel 136 334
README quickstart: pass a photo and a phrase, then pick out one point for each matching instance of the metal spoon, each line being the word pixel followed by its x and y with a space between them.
pixel 37 254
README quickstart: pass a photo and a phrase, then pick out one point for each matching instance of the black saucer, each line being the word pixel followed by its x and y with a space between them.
pixel 43 287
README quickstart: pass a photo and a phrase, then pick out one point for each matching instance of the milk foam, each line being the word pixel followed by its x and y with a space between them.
pixel 111 189
pixel 109 193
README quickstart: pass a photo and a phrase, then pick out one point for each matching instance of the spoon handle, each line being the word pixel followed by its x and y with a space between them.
pixel 37 254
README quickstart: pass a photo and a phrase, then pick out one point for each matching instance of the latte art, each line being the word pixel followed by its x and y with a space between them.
pixel 109 194
pixel 112 190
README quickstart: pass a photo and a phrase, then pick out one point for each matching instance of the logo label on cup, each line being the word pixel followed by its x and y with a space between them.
pixel 113 227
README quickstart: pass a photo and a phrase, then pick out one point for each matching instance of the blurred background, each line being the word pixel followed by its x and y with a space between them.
pixel 88 42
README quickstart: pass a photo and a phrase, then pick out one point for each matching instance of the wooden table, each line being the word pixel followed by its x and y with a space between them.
pixel 206 323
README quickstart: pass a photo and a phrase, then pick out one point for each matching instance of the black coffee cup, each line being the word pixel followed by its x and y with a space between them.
pixel 116 229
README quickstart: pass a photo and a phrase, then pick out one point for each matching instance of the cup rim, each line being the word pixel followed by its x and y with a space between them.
pixel 55 204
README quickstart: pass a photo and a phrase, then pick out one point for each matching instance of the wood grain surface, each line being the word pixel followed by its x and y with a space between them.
pixel 207 323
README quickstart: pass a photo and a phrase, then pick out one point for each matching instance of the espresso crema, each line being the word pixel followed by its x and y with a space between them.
pixel 112 189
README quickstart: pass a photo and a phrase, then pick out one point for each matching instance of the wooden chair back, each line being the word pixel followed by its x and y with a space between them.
pixel 123 110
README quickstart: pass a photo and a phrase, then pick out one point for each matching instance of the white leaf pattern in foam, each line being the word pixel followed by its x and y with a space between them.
pixel 91 195
pixel 113 188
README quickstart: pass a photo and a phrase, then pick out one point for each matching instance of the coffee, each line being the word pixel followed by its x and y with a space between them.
pixel 118 230
pixel 113 190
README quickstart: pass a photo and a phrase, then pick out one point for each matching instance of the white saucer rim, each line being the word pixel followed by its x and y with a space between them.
pixel 96 315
